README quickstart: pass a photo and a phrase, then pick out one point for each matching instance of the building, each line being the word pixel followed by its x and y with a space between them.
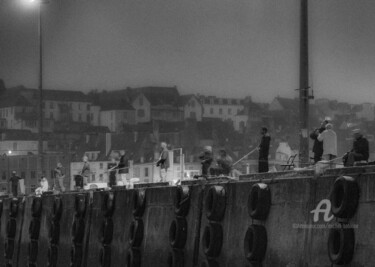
pixel 19 142
pixel 192 107
pixel 221 108
pixel 117 115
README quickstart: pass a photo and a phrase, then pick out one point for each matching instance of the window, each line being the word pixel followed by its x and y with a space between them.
pixel 32 175
pixel 220 111
pixel 101 177
pixel 101 166
pixel 140 113
pixel 192 102
pixel 79 117
pixel 229 111
pixel 141 101
pixel 32 187
pixel 146 172
pixel 211 111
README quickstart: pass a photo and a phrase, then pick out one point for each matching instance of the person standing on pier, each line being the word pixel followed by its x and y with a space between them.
pixel 329 139
pixel 163 162
pixel 264 148
pixel 59 178
pixel 123 168
pixel 85 172
pixel 13 180
pixel 318 145
pixel 206 160
pixel 111 167
pixel 360 150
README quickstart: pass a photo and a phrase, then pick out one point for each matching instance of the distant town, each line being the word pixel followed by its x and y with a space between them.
pixel 101 123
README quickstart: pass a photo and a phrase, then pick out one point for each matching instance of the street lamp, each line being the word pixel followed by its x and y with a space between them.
pixel 40 3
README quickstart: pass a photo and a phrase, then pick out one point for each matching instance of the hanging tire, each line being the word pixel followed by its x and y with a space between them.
pixel 105 256
pixel 209 263
pixel 34 229
pixel 106 231
pixel 76 255
pixel 255 243
pixel 36 207
pixel 53 254
pixel 344 197
pixel 80 205
pixel 11 228
pixel 139 203
pixel 341 243
pixel 54 233
pixel 176 258
pixel 215 203
pixel 182 201
pixel 178 233
pixel 133 258
pixel 259 201
pixel 57 209
pixel 9 249
pixel 13 209
pixel 136 233
pixel 108 204
pixel 78 231
pixel 33 251
pixel 212 239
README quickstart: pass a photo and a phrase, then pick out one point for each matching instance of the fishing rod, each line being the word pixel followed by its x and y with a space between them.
pixel 248 154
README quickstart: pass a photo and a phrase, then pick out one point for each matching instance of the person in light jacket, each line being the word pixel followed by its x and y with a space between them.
pixel 163 162
pixel 329 139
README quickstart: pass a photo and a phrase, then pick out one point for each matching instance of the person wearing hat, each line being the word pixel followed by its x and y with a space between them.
pixel 206 160
pixel 85 172
pixel 360 150
pixel 123 167
pixel 329 139
pixel 43 186
pixel 318 145
pixel 264 148
pixel 13 180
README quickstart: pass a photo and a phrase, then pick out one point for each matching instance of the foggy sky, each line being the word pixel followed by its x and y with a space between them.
pixel 229 48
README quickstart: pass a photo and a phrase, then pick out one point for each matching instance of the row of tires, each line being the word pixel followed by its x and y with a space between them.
pixel 11 231
pixel 136 230
pixel 344 204
pixel 178 229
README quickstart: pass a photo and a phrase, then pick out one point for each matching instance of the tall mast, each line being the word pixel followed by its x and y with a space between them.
pixel 304 85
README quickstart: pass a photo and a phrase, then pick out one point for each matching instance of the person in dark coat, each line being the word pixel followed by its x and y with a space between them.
pixel 224 163
pixel 360 150
pixel 14 183
pixel 318 145
pixel 111 167
pixel 264 148
pixel 206 160
pixel 123 168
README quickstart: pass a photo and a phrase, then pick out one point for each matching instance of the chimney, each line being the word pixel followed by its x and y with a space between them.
pixel 108 142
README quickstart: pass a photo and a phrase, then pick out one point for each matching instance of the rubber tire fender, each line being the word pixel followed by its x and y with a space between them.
pixel 176 258
pixel 53 254
pixel 341 242
pixel 9 249
pixel 54 232
pixel 255 243
pixel 344 197
pixel 76 254
pixel 34 229
pixel 80 205
pixel 136 233
pixel 78 230
pixel 139 202
pixel 259 201
pixel 108 206
pixel 133 258
pixel 36 207
pixel 13 208
pixel 106 231
pixel 178 233
pixel 11 228
pixel 212 239
pixel 105 256
pixel 215 203
pixel 57 209
pixel 182 201
pixel 33 251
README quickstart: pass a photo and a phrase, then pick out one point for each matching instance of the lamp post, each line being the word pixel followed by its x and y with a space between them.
pixel 40 3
